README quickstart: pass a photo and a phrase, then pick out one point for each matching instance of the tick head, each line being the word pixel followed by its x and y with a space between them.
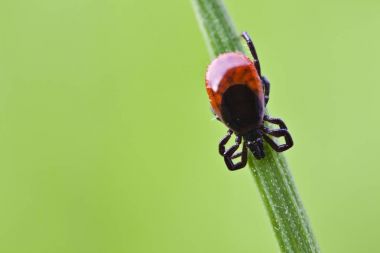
pixel 255 144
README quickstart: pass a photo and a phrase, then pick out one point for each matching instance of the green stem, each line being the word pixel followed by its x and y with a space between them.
pixel 272 174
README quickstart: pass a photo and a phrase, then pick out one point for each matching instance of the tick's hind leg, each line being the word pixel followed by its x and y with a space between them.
pixel 251 47
pixel 266 85
pixel 256 60
pixel 231 153
pixel 281 132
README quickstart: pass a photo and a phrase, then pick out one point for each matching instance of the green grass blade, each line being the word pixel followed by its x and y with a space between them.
pixel 272 174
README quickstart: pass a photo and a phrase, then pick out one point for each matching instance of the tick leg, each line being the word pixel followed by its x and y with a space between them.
pixel 278 133
pixel 281 132
pixel 223 142
pixel 266 85
pixel 251 47
pixel 276 121
pixel 230 155
pixel 264 80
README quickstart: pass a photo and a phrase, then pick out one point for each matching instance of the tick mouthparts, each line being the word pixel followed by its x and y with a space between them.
pixel 257 148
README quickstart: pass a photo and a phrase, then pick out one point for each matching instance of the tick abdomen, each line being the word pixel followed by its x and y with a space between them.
pixel 225 72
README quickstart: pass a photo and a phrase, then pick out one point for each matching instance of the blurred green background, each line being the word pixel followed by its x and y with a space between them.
pixel 107 143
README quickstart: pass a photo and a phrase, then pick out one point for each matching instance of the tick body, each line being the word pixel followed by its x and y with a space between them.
pixel 235 91
pixel 238 95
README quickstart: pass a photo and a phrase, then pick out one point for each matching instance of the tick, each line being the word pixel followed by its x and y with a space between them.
pixel 238 95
